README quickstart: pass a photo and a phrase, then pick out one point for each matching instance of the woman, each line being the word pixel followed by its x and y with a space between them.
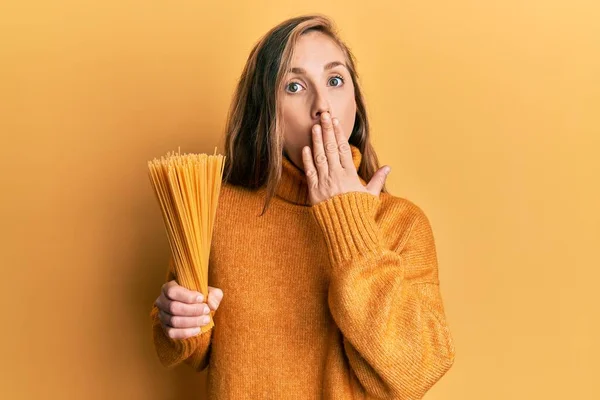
pixel 331 283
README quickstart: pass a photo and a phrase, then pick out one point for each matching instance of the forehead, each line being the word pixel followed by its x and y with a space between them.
pixel 316 49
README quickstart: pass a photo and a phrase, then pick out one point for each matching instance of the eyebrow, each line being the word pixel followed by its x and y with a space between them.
pixel 327 66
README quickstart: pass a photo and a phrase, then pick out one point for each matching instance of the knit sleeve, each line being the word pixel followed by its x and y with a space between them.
pixel 385 301
pixel 194 351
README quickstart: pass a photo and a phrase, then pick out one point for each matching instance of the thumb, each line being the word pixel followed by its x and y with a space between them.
pixel 378 180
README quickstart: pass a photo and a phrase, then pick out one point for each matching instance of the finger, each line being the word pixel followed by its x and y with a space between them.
pixel 318 152
pixel 183 309
pixel 378 180
pixel 330 142
pixel 174 291
pixel 176 333
pixel 310 170
pixel 177 321
pixel 215 295
pixel 345 153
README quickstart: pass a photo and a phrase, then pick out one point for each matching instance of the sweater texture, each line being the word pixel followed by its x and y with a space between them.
pixel 338 300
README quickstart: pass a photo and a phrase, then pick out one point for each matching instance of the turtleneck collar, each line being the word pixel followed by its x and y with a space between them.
pixel 293 186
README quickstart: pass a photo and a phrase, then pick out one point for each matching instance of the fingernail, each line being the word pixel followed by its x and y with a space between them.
pixel 205 319
pixel 199 299
pixel 387 170
pixel 206 310
pixel 326 117
pixel 335 121
pixel 196 331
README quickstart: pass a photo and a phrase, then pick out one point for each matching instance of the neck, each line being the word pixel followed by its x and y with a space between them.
pixel 293 186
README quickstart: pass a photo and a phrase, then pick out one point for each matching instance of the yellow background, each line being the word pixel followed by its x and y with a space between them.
pixel 488 112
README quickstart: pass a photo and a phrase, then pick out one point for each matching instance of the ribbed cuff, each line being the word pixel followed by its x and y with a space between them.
pixel 171 351
pixel 347 221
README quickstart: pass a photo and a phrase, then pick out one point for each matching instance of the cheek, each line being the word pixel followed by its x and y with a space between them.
pixel 296 132
pixel 345 107
pixel 348 117
pixel 292 120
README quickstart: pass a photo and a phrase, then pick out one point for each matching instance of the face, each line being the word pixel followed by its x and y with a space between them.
pixel 313 88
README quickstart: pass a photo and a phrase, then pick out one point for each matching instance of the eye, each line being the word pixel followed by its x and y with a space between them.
pixel 339 78
pixel 297 85
pixel 294 84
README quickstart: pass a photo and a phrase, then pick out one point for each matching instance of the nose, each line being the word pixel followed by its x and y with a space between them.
pixel 320 104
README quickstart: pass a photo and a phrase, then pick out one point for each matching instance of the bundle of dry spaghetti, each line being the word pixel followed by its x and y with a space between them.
pixel 187 187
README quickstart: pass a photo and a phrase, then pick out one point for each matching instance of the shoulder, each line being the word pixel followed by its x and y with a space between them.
pixel 238 201
pixel 234 193
pixel 400 210
pixel 401 219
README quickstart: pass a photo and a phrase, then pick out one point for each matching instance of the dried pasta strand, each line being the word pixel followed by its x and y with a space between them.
pixel 187 188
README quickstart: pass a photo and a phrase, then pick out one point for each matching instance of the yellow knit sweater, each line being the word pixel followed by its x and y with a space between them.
pixel 340 300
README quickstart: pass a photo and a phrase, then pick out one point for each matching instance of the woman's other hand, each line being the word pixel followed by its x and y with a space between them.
pixel 182 312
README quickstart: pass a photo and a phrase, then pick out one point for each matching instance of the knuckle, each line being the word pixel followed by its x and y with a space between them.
pixel 173 307
pixel 345 147
pixel 170 292
pixel 321 158
pixel 331 147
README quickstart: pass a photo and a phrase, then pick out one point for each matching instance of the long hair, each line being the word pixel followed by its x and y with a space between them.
pixel 253 132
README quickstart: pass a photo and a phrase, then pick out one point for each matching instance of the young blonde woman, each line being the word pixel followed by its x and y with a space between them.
pixel 323 285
